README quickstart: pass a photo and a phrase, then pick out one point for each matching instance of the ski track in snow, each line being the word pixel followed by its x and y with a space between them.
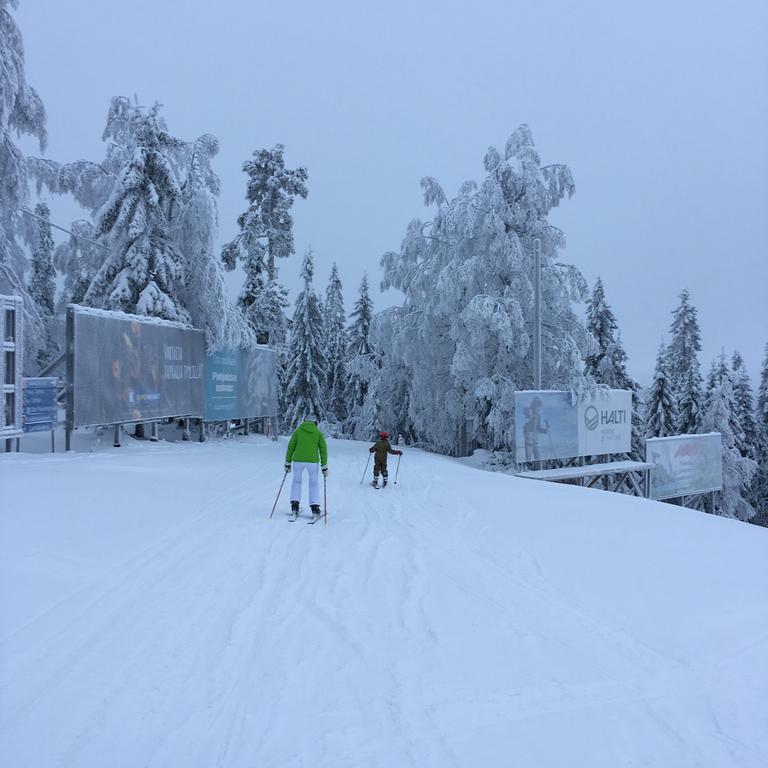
pixel 425 625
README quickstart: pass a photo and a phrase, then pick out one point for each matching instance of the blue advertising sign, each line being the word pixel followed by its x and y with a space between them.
pixel 221 385
pixel 39 412
pixel 240 384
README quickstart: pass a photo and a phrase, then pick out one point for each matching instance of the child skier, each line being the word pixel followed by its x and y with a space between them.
pixel 307 450
pixel 381 448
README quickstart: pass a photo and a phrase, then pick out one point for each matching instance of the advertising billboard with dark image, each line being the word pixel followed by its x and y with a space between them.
pixel 131 369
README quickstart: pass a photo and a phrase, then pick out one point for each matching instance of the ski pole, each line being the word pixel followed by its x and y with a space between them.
pixel 274 506
pixel 325 501
pixel 397 470
pixel 365 471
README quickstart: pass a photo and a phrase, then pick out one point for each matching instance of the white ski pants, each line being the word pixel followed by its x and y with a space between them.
pixel 313 469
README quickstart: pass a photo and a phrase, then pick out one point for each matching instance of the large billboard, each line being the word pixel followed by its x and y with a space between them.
pixel 240 384
pixel 128 368
pixel 685 464
pixel 549 425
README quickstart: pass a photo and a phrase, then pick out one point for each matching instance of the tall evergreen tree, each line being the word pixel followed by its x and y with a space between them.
pixel 21 114
pixel 266 234
pixel 363 368
pixel 744 408
pixel 78 259
pixel 762 395
pixel 335 346
pixel 684 369
pixel 42 285
pixel 738 471
pixel 760 482
pixel 144 271
pixel 306 369
pixel 607 361
pixel 660 410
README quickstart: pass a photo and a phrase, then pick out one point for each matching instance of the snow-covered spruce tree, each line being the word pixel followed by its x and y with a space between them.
pixel 660 407
pixel 266 234
pixel 744 408
pixel 738 471
pixel 78 259
pixel 335 347
pixel 363 366
pixel 21 113
pixel 684 369
pixel 143 273
pixel 464 330
pixel 762 395
pixel 306 369
pixel 195 226
pixel 42 284
pixel 760 483
pixel 606 364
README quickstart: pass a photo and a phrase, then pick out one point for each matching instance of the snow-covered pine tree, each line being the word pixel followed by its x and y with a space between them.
pixel 335 346
pixel 266 234
pixel 78 259
pixel 464 330
pixel 684 369
pixel 760 483
pixel 607 362
pixel 306 369
pixel 363 366
pixel 195 227
pixel 143 273
pixel 21 114
pixel 762 395
pixel 738 471
pixel 42 283
pixel 744 408
pixel 660 407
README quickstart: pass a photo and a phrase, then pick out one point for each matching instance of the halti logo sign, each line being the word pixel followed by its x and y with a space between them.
pixel 551 425
pixel 606 417
pixel 591 417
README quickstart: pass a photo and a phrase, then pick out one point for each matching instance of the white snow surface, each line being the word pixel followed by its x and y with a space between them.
pixel 152 615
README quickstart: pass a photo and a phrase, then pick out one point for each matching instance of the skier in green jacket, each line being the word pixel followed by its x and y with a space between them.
pixel 381 448
pixel 308 451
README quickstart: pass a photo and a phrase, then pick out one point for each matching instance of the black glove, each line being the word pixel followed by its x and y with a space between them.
pixel 325 471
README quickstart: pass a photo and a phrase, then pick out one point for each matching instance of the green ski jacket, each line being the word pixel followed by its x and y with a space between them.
pixel 307 443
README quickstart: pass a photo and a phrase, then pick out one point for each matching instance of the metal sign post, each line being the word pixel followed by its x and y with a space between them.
pixel 537 313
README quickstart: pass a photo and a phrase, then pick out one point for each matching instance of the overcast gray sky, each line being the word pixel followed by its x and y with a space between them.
pixel 660 109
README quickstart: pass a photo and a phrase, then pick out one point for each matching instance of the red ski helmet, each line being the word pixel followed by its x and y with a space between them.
pixel 383 435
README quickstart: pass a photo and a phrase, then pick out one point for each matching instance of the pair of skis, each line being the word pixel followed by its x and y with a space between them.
pixel 293 517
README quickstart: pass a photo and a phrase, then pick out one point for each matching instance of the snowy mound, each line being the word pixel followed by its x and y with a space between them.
pixel 152 615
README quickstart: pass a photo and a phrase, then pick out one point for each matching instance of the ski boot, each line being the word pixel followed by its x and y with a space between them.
pixel 375 482
pixel 383 482
pixel 315 511
pixel 294 509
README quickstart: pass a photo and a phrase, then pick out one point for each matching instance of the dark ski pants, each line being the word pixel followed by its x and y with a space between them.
pixel 380 467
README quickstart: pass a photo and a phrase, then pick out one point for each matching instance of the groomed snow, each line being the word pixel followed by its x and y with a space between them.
pixel 151 615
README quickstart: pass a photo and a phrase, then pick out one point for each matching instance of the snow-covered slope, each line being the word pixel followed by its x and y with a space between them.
pixel 151 615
